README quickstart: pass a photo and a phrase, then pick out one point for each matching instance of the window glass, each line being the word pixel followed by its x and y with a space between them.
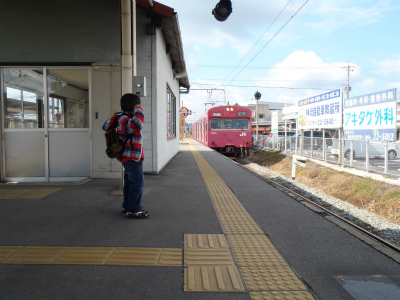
pixel 229 124
pixel 68 101
pixel 171 114
pixel 23 98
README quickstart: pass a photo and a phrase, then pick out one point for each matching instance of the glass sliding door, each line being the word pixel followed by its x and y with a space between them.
pixel 46 123
pixel 68 115
pixel 24 133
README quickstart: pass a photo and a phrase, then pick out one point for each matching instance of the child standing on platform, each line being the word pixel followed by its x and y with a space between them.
pixel 129 129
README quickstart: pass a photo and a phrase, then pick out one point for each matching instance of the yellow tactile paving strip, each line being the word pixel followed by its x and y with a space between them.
pixel 266 274
pixel 209 265
pixel 27 193
pixel 91 255
pixel 214 278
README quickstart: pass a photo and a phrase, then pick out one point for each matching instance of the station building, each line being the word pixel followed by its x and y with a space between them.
pixel 64 66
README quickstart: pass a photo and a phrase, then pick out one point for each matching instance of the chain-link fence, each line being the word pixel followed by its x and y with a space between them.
pixel 371 156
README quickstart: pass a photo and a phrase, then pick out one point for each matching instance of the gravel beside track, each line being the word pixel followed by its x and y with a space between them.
pixel 379 226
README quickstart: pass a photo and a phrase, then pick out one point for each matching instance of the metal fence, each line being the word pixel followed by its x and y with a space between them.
pixel 371 156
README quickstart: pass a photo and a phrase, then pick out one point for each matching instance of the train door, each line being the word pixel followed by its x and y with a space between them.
pixel 206 132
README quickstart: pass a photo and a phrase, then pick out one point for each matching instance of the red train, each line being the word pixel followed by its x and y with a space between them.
pixel 226 129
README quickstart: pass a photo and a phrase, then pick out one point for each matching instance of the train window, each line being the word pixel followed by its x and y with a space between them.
pixel 242 113
pixel 217 123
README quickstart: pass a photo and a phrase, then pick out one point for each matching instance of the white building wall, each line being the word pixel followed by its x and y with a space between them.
pixel 153 63
pixel 166 149
pixel 106 93
pixel 144 68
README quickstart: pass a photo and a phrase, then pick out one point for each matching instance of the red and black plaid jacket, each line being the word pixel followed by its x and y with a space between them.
pixel 129 126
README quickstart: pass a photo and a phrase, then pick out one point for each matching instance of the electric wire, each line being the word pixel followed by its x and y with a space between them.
pixel 270 40
pixel 257 41
pixel 270 87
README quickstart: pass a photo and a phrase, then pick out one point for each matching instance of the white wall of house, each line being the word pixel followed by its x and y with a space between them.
pixel 105 78
pixel 153 63
pixel 106 93
pixel 166 149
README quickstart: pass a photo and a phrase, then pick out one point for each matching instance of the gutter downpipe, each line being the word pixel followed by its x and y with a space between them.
pixel 127 57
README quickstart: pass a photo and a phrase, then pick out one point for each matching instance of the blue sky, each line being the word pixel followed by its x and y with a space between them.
pixel 254 49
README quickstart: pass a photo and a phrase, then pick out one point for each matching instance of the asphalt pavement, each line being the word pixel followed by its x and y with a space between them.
pixel 334 262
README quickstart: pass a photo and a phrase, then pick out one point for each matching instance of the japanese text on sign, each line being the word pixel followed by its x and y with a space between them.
pixel 322 111
pixel 371 116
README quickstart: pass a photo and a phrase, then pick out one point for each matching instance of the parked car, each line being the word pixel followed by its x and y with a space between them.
pixel 375 149
pixel 316 140
pixel 281 138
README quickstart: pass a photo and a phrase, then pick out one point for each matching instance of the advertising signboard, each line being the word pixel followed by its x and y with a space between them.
pixel 290 112
pixel 371 116
pixel 274 121
pixel 322 111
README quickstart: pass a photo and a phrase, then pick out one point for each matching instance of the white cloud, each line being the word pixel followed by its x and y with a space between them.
pixel 332 15
pixel 385 75
pixel 308 72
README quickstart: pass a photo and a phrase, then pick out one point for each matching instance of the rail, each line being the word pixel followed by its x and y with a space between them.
pixel 299 197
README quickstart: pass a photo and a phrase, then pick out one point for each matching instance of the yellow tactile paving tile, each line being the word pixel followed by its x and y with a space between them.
pixel 250 241
pixel 6 251
pixel 258 258
pixel 36 255
pixel 27 193
pixel 171 257
pixel 286 295
pixel 135 256
pixel 271 278
pixel 213 278
pixel 259 253
pixel 91 255
pixel 266 274
pixel 85 255
pixel 205 241
pixel 208 257
pixel 238 223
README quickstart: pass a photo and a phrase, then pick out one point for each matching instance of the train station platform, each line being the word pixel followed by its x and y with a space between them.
pixel 216 231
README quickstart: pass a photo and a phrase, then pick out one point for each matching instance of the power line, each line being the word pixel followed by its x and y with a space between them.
pixel 284 25
pixel 257 41
pixel 269 87
pixel 261 67
pixel 274 80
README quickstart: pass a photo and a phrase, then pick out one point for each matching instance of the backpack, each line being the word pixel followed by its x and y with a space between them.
pixel 115 147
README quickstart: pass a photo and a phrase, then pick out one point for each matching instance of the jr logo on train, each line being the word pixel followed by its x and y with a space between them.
pixel 226 129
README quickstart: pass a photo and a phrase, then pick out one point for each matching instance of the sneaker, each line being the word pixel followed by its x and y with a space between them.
pixel 138 215
pixel 124 210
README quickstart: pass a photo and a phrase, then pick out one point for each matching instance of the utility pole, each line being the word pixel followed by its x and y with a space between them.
pixel 257 95
pixel 349 68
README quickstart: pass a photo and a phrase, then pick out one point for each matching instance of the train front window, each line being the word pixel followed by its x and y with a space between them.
pixel 230 124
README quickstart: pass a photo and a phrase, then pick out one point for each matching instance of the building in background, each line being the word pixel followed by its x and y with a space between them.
pixel 64 66
pixel 264 115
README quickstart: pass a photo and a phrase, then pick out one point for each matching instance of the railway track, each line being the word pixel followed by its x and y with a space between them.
pixel 289 190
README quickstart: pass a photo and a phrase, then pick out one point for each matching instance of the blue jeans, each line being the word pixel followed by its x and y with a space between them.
pixel 133 185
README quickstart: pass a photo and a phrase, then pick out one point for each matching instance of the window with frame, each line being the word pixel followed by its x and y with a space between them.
pixel 67 104
pixel 171 114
